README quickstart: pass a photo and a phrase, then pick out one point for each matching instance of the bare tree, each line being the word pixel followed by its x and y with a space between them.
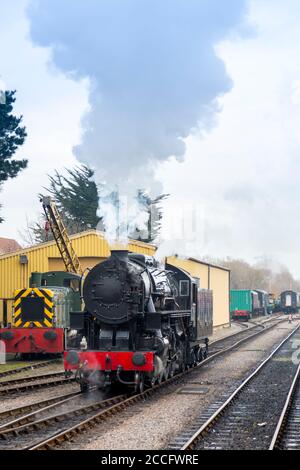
pixel 258 276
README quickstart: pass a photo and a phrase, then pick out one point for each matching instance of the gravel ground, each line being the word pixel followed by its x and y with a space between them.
pixel 155 423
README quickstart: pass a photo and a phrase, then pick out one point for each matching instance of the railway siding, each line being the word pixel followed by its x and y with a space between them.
pixel 247 418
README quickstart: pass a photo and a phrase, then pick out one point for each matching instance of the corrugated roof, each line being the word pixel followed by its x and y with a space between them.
pixel 210 264
pixel 87 233
pixel 8 245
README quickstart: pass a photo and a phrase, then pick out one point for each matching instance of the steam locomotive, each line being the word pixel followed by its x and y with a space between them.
pixel 142 323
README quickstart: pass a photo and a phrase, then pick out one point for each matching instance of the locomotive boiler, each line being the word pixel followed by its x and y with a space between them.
pixel 142 323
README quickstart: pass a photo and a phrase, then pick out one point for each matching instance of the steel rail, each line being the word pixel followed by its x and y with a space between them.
pixel 190 444
pixel 24 414
pixel 280 428
pixel 31 378
pixel 7 435
pixel 35 385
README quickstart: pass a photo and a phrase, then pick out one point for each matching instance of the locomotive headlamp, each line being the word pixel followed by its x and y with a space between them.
pixel 72 358
pixel 139 359
pixel 7 335
pixel 50 335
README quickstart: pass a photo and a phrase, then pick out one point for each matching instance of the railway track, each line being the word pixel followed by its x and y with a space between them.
pixel 26 432
pixel 57 440
pixel 37 365
pixel 287 432
pixel 247 418
pixel 238 338
pixel 33 383
pixel 22 414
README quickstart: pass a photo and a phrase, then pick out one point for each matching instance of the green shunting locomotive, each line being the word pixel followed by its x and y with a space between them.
pixel 41 314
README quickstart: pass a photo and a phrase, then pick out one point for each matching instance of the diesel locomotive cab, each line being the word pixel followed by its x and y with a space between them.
pixel 140 323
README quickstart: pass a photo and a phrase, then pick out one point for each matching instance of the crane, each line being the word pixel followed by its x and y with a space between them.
pixel 61 236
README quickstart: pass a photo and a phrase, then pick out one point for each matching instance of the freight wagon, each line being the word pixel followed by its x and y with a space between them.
pixel 289 301
pixel 274 304
pixel 244 304
pixel 263 299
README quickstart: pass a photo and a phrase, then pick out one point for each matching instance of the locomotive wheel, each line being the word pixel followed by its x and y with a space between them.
pixel 152 383
pixel 167 372
pixel 142 384
pixel 200 355
pixel 160 378
pixel 137 381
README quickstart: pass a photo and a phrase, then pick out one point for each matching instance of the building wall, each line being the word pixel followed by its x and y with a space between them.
pixel 219 283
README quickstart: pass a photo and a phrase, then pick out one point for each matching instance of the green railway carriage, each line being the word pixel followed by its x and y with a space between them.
pixel 244 304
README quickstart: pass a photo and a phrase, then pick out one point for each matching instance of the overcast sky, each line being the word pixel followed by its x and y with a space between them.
pixel 241 165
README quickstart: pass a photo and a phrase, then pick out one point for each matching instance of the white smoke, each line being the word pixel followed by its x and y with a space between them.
pixel 123 215
pixel 154 77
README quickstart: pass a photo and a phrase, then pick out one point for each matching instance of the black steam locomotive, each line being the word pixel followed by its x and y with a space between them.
pixel 142 323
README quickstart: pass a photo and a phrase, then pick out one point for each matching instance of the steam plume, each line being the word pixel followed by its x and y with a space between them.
pixel 153 71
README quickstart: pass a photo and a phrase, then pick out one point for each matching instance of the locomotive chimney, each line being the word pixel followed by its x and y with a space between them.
pixel 122 255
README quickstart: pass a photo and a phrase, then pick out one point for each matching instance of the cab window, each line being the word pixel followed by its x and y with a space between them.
pixel 184 288
pixel 72 284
